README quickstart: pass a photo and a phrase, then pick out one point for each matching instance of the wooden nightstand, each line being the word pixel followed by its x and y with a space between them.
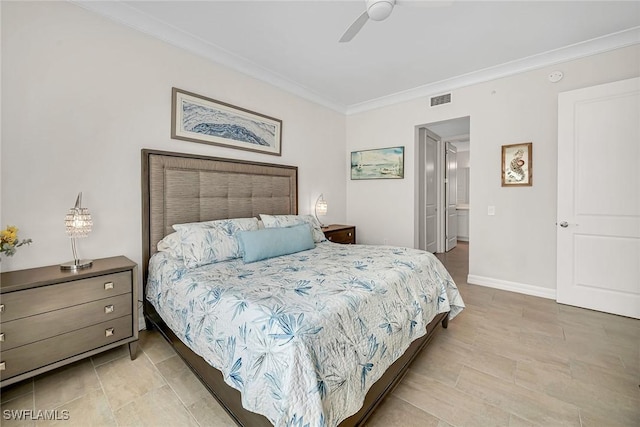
pixel 50 318
pixel 340 233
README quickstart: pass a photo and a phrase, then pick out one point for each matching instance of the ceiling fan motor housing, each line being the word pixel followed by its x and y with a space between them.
pixel 379 10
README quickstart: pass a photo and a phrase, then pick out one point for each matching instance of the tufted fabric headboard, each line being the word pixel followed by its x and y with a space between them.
pixel 179 188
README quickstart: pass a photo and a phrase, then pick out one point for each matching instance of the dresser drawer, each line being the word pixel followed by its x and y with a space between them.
pixel 34 301
pixel 35 328
pixel 32 356
pixel 342 236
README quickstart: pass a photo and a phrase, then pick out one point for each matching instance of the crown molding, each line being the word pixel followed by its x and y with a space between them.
pixel 575 51
pixel 126 15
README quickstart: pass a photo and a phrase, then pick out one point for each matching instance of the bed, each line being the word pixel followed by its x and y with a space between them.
pixel 312 337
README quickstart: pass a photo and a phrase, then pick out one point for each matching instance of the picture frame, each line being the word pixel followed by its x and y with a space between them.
pixel 197 118
pixel 517 165
pixel 379 163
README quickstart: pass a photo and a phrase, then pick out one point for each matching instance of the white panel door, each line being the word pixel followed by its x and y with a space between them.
pixel 428 152
pixel 431 199
pixel 451 196
pixel 598 232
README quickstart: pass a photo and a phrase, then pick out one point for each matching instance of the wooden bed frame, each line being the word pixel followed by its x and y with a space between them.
pixel 179 188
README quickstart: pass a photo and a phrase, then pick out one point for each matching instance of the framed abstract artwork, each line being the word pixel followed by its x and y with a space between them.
pixel 517 165
pixel 381 163
pixel 200 119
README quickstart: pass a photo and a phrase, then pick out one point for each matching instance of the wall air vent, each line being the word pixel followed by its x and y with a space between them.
pixel 442 99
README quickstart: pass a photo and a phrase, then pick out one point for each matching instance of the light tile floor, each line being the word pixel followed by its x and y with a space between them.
pixel 507 360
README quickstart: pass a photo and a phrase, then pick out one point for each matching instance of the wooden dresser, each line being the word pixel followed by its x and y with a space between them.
pixel 338 233
pixel 49 317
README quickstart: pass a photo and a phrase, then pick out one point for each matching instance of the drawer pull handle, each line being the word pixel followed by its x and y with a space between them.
pixel 330 238
pixel 1 308
pixel 2 337
pixel 108 309
pixel 2 366
pixel 108 285
pixel 349 234
pixel 108 332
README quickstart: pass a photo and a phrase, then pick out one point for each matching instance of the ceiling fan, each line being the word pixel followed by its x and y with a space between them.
pixel 379 10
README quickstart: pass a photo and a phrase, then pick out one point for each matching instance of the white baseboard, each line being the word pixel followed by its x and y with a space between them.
pixel 505 285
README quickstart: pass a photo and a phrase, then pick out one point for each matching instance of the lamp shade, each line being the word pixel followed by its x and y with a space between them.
pixel 78 222
pixel 320 208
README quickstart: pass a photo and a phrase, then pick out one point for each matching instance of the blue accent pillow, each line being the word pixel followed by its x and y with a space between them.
pixel 272 242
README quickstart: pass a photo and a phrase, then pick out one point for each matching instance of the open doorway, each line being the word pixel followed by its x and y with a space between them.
pixel 442 184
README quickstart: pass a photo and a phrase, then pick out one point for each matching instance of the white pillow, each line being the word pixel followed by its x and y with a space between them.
pixel 272 221
pixel 212 241
pixel 171 244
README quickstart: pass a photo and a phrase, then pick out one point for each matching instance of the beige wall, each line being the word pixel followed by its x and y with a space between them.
pixel 516 248
pixel 81 95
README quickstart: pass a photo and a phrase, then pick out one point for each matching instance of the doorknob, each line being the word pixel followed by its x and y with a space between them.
pixel 564 224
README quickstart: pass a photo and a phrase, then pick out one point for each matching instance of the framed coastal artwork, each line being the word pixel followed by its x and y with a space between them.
pixel 381 163
pixel 200 119
pixel 517 165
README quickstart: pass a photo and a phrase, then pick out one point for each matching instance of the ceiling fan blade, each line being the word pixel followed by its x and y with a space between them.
pixel 355 27
pixel 424 3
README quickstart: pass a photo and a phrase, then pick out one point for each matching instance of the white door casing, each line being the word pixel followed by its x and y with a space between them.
pixel 451 196
pixel 598 231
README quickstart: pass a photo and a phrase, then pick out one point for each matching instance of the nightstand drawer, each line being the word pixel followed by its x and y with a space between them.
pixel 35 328
pixel 342 236
pixel 28 357
pixel 39 300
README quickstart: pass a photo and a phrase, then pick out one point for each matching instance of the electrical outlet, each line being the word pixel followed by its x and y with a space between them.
pixel 491 210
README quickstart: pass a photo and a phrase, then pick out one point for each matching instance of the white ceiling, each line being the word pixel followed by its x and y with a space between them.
pixel 417 51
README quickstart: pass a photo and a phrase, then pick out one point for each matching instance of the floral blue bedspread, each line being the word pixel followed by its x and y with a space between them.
pixel 304 336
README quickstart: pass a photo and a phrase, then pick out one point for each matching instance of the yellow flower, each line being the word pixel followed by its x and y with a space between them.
pixel 8 236
pixel 9 241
